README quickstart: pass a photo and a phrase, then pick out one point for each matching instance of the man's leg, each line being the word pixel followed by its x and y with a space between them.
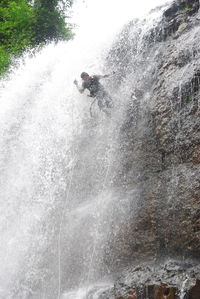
pixel 103 107
pixel 108 101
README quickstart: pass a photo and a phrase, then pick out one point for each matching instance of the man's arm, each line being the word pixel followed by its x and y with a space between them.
pixel 103 76
pixel 106 76
pixel 81 90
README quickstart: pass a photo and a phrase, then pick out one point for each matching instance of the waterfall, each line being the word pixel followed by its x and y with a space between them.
pixel 60 203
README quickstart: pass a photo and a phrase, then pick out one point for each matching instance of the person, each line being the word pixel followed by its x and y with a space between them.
pixel 96 89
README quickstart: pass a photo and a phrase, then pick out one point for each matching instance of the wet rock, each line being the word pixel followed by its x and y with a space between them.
pixel 194 292
pixel 132 294
pixel 164 292
pixel 181 29
pixel 196 155
pixel 159 147
pixel 191 6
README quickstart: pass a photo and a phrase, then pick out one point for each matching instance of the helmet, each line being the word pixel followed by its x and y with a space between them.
pixel 83 74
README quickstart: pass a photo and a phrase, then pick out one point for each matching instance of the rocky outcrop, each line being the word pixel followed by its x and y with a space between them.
pixel 160 141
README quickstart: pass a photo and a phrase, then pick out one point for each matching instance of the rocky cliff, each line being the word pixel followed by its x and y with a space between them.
pixel 160 147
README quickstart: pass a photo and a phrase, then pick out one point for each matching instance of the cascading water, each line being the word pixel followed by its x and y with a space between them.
pixel 60 206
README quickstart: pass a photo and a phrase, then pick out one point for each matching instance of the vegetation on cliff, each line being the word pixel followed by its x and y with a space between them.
pixel 25 23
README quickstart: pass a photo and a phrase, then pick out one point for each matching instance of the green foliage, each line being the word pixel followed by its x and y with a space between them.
pixel 24 25
pixel 16 25
pixel 187 7
pixel 4 60
pixel 50 20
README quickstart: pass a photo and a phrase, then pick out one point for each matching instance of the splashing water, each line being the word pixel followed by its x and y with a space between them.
pixel 58 205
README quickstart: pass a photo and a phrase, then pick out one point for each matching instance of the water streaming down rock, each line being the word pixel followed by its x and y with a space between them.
pixel 86 200
pixel 161 128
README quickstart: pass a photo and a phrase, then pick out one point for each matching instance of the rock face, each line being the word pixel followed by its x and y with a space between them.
pixel 160 139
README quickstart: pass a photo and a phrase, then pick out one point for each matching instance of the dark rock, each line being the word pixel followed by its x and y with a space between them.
pixel 159 147
pixel 194 292
pixel 191 6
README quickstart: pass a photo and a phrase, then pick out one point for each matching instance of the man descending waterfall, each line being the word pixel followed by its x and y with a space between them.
pixel 97 91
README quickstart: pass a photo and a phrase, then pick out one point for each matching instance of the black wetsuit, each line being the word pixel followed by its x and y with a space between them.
pixel 97 91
